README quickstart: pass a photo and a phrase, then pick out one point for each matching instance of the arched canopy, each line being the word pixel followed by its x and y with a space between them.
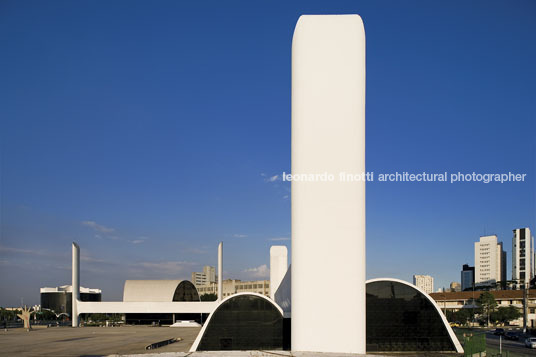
pixel 402 317
pixel 159 291
pixel 244 321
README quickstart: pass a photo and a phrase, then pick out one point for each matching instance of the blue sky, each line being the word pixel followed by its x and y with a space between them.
pixel 149 131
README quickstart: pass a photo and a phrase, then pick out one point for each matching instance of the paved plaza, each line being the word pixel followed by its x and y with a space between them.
pixel 93 341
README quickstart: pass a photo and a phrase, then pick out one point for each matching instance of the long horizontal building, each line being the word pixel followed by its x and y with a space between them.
pixel 232 286
pixel 455 301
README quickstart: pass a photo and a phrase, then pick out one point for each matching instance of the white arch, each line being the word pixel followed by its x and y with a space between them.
pixel 202 332
pixel 452 335
pixel 152 290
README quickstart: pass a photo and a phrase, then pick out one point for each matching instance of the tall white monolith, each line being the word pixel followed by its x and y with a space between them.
pixel 220 271
pixel 75 285
pixel 328 217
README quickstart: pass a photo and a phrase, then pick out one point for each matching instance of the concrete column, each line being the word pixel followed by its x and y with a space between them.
pixel 328 217
pixel 75 284
pixel 278 267
pixel 220 271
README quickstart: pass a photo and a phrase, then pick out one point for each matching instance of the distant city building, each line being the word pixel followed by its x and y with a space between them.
pixel 455 286
pixel 468 277
pixel 60 299
pixel 522 256
pixel 231 286
pixel 207 276
pixel 424 282
pixel 490 261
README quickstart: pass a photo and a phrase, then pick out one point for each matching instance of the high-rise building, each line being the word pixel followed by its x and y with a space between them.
pixel 455 286
pixel 522 256
pixel 424 282
pixel 490 261
pixel 468 277
pixel 206 277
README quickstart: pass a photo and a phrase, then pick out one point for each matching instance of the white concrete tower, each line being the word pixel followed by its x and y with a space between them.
pixel 220 271
pixel 328 218
pixel 278 267
pixel 75 284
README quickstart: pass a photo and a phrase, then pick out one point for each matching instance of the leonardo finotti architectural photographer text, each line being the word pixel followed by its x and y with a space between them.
pixel 406 177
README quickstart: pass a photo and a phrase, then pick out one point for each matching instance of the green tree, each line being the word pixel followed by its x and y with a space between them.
pixel 505 314
pixel 463 315
pixel 209 297
pixel 487 304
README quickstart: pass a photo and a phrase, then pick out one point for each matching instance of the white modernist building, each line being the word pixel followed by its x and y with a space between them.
pixel 522 256
pixel 424 282
pixel 490 261
pixel 328 217
pixel 328 229
pixel 278 267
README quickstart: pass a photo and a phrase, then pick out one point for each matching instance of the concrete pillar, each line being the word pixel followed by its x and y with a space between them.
pixel 220 271
pixel 75 284
pixel 328 217
pixel 278 267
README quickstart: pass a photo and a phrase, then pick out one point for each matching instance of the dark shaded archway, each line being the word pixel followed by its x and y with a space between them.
pixel 402 318
pixel 186 291
pixel 243 322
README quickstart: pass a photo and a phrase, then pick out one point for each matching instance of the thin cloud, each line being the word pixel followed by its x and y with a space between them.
pixel 42 253
pixel 240 235
pixel 97 227
pixel 272 178
pixel 137 241
pixel 278 239
pixel 259 272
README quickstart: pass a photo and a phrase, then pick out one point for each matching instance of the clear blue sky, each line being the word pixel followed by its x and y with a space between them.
pixel 148 131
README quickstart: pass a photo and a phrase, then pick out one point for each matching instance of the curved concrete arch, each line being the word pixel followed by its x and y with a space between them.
pixel 451 333
pixel 203 329
pixel 152 290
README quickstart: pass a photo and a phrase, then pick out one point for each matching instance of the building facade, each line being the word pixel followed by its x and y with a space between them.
pixel 522 257
pixel 207 276
pixel 424 282
pixel 60 299
pixel 455 286
pixel 467 277
pixel 454 301
pixel 490 261
pixel 232 286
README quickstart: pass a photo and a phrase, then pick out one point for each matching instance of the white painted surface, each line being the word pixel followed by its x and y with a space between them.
pixel 452 335
pixel 328 218
pixel 219 303
pixel 150 290
pixel 283 294
pixel 75 270
pixel 278 267
pixel 220 271
pixel 155 307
